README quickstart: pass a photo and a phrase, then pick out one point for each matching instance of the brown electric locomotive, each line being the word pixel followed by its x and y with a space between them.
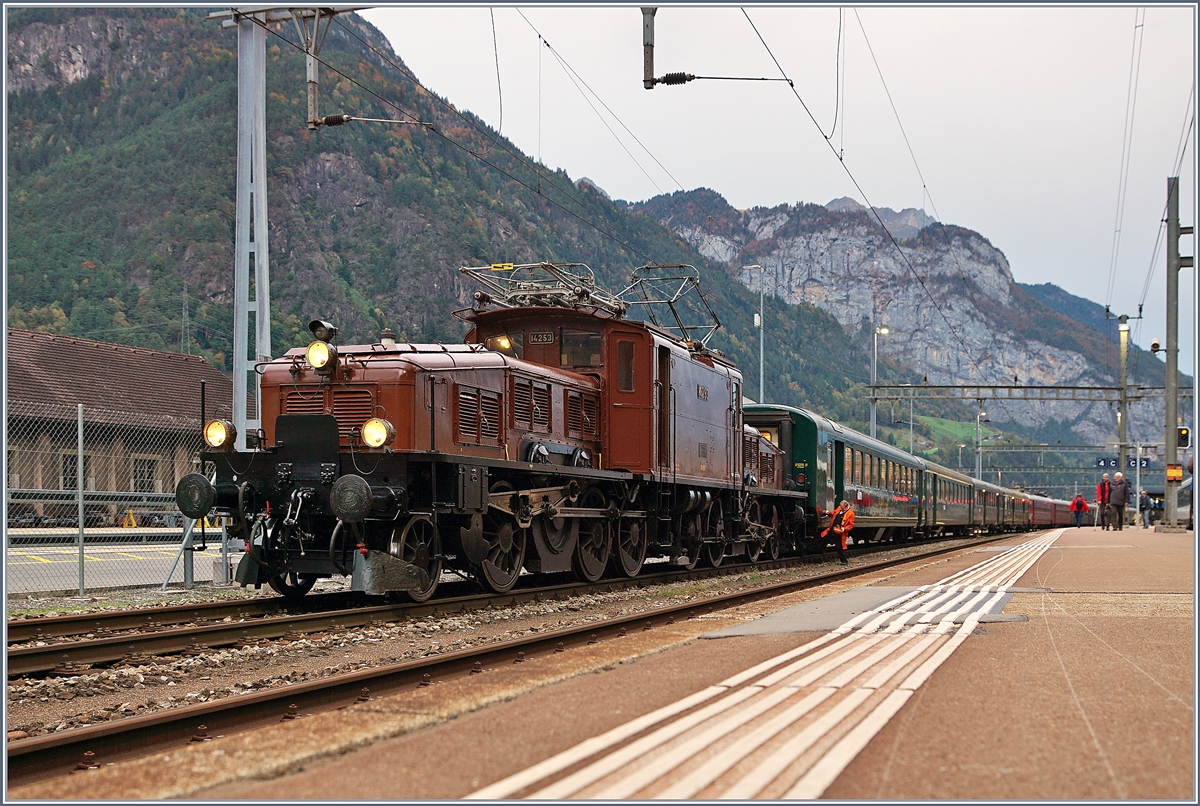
pixel 564 435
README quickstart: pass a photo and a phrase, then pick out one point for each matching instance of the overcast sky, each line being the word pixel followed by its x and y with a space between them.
pixel 1016 118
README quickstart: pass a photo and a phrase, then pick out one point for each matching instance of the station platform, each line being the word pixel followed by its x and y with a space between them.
pixel 1053 666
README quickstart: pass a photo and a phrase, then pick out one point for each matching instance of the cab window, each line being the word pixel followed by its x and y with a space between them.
pixel 511 344
pixel 624 366
pixel 580 349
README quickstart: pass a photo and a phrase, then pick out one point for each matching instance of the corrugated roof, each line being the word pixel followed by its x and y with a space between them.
pixel 51 371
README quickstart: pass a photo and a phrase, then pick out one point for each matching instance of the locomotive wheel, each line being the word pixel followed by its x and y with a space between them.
pixel 595 539
pixel 754 551
pixel 291 584
pixel 501 567
pixel 557 533
pixel 754 548
pixel 416 543
pixel 632 542
pixel 715 552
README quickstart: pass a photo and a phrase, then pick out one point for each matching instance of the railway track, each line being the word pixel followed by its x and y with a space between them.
pixel 46 756
pixel 144 635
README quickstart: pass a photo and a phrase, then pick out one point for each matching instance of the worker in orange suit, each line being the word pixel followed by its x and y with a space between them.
pixel 840 524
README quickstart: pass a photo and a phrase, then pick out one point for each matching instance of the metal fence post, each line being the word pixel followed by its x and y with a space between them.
pixel 224 553
pixel 79 491
pixel 189 558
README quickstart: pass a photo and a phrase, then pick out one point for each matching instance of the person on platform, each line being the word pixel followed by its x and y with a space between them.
pixel 1118 498
pixel 840 524
pixel 1079 506
pixel 1103 489
pixel 1146 508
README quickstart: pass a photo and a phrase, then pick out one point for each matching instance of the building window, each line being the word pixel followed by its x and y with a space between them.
pixel 68 478
pixel 145 475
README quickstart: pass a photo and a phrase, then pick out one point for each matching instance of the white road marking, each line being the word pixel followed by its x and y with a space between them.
pixel 751 716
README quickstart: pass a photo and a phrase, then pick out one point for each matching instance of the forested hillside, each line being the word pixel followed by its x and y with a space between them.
pixel 121 202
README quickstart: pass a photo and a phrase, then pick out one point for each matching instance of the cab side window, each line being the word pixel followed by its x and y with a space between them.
pixel 580 349
pixel 625 366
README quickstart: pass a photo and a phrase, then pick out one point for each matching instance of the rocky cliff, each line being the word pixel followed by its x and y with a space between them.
pixel 946 294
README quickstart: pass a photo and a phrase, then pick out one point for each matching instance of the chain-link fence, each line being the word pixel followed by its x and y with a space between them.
pixel 91 504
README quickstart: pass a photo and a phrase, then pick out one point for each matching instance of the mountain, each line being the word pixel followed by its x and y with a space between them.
pixel 121 147
pixel 947 295
pixel 1081 310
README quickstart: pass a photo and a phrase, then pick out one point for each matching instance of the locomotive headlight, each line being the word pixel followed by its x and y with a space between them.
pixel 378 432
pixel 220 434
pixel 321 356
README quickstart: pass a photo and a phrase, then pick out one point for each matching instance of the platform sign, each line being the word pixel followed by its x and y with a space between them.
pixel 1134 462
pixel 1174 472
pixel 1107 461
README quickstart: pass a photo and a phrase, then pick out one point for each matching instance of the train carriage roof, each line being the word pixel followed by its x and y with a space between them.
pixel 954 475
pixel 847 435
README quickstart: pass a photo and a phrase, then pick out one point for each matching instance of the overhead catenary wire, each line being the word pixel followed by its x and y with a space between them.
pixel 912 269
pixel 925 194
pixel 516 155
pixel 1135 63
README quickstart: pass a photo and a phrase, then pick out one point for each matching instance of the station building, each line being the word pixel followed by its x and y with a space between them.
pixel 141 426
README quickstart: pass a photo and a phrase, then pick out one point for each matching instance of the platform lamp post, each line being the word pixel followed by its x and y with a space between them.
pixel 879 331
pixel 980 417
pixel 760 323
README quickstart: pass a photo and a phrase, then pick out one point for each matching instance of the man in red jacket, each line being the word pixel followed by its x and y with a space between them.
pixel 840 524
pixel 1079 506
pixel 1103 491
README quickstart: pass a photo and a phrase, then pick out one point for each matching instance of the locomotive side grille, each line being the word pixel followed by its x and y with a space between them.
pixel 574 413
pixel 541 407
pixel 591 415
pixel 311 402
pixel 523 402
pixel 768 468
pixel 352 408
pixel 489 417
pixel 479 415
pixel 468 414
pixel 750 451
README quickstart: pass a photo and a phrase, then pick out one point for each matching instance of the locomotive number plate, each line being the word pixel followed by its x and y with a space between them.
pixel 702 392
pixel 541 338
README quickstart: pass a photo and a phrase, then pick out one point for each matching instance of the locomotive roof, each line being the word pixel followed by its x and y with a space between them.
pixel 598 318
pixel 441 357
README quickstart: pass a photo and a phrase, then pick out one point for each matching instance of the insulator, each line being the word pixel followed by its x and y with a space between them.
pixel 676 78
pixel 335 120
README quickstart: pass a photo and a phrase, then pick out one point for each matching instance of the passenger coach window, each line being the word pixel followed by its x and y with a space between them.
pixel 857 468
pixel 848 465
pixel 625 366
pixel 580 349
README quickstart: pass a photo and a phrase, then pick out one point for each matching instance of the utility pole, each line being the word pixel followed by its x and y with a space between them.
pixel 978 444
pixel 879 331
pixel 762 337
pixel 1123 408
pixel 1174 264
pixel 251 253
pixel 1123 389
pixel 250 227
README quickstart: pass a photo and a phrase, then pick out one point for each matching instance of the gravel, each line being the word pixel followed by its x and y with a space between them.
pixel 42 706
